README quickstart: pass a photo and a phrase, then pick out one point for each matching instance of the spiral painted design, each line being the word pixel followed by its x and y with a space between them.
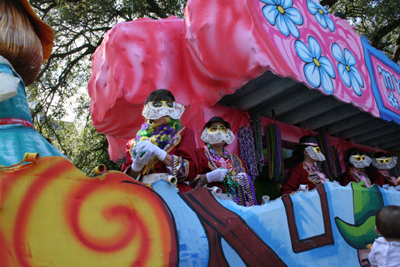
pixel 131 222
pixel 52 214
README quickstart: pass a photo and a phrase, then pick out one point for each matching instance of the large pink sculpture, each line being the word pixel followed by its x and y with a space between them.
pixel 220 46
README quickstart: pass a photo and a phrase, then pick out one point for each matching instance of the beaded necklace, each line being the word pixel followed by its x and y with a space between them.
pixel 275 153
pixel 248 150
pixel 223 161
pixel 247 194
pixel 240 186
pixel 315 170
pixel 219 160
pixel 160 137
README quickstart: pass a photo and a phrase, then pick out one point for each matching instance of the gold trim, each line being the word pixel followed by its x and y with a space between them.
pixel 209 162
pixel 240 161
pixel 145 168
pixel 179 140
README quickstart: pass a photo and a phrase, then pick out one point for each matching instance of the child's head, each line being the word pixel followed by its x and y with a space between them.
pixel 387 222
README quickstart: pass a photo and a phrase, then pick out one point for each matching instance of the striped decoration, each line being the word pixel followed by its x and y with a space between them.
pixel 328 165
pixel 248 151
pixel 336 160
pixel 275 153
pixel 396 170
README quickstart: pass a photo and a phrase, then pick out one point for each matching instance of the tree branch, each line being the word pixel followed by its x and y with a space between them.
pixel 156 9
pixel 73 51
pixel 380 33
pixel 396 53
pixel 328 2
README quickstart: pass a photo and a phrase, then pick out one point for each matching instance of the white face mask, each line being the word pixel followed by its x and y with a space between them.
pixel 157 109
pixel 217 137
pixel 384 163
pixel 312 152
pixel 360 161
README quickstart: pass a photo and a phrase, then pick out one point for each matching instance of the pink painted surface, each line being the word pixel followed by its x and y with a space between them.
pixel 219 46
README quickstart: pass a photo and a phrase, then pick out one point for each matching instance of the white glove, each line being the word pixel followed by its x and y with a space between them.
pixel 140 160
pixel 158 152
pixel 216 175
pixel 303 187
pixel 242 175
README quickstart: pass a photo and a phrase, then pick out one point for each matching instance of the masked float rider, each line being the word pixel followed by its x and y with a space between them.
pixel 306 174
pixel 221 168
pixel 356 161
pixel 383 164
pixel 162 146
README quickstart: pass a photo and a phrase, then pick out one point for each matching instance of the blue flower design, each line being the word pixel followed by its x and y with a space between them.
pixel 321 15
pixel 318 69
pixel 282 13
pixel 393 100
pixel 347 68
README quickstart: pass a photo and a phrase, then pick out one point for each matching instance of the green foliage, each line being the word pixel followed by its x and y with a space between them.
pixel 61 86
pixel 379 21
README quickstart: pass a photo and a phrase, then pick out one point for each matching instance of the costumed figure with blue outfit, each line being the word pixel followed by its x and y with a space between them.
pixel 25 43
pixel 356 161
pixel 306 174
pixel 219 168
pixel 163 148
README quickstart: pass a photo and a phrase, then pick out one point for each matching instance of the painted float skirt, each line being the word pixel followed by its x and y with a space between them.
pixel 51 214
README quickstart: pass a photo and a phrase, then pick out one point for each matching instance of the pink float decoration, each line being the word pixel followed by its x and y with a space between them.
pixel 220 46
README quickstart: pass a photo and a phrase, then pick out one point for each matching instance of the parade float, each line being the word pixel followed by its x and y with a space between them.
pixel 285 68
pixel 23 49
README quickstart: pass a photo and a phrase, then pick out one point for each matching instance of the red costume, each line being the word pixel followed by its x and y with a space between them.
pixel 182 145
pixel 302 173
pixel 383 177
pixel 205 166
pixel 353 175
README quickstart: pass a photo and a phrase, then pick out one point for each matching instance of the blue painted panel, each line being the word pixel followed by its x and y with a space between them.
pixel 193 243
pixel 391 84
pixel 231 256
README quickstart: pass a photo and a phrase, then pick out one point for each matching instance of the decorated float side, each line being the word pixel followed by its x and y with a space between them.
pixel 282 69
